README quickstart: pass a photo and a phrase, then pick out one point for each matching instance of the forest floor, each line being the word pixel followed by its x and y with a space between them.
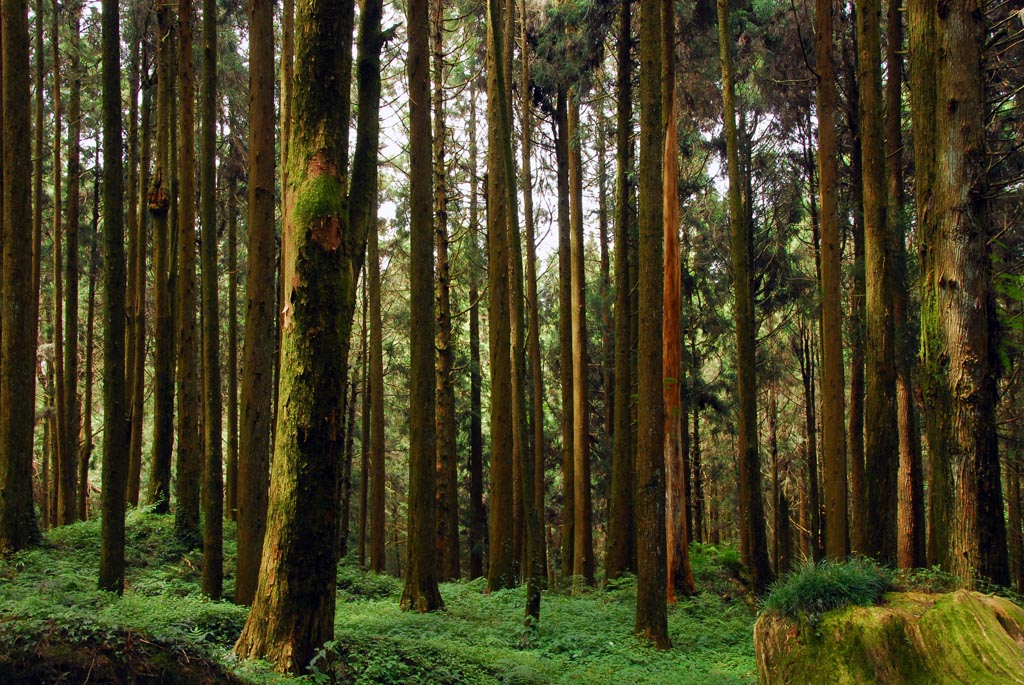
pixel 56 627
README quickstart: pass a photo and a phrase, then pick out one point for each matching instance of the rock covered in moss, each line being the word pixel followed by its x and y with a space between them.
pixel 962 637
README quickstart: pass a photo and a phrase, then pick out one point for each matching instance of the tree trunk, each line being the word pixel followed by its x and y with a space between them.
pixel 138 187
pixel 651 615
pixel 620 554
pixel 910 526
pixel 833 438
pixel 18 527
pixel 565 326
pixel 213 477
pixel 537 560
pixel 364 419
pixel 115 415
pixel 231 489
pixel 188 471
pixel 293 609
pixel 421 593
pixel 881 435
pixel 957 311
pixel 752 520
pixel 59 385
pixel 345 523
pixel 447 466
pixel 583 530
pixel 37 202
pixel 501 573
pixel 90 319
pixel 68 476
pixel 378 485
pixel 478 516
pixel 258 346
pixel 807 356
pixel 160 201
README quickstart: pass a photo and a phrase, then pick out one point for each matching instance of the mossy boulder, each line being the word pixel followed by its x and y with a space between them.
pixel 962 637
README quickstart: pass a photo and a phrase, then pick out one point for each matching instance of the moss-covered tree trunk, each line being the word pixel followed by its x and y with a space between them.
pixel 447 466
pixel 620 555
pixel 258 344
pixel 188 470
pixel 752 519
pixel 651 614
pixel 501 572
pixel 293 609
pixel 115 415
pixel 159 201
pixel 18 528
pixel 833 437
pixel 213 470
pixel 958 366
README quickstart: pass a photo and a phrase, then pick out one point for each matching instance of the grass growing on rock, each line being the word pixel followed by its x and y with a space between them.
pixel 814 589
pixel 163 624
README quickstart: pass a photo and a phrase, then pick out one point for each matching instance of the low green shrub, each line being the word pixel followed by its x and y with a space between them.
pixel 814 589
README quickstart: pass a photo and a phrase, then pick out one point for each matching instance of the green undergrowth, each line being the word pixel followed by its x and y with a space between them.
pixel 48 595
pixel 815 589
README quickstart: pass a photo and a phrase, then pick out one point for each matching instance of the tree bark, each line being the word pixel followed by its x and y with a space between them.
pixel 958 370
pixel 378 485
pixel 651 615
pixel 231 489
pixel 258 346
pixel 833 438
pixel 583 530
pixel 213 476
pixel 565 326
pixel 160 200
pixel 116 426
pixel 59 385
pixel 501 573
pixel 752 520
pixel 18 528
pixel 620 554
pixel 478 516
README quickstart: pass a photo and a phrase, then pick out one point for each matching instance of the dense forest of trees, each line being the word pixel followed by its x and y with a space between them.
pixel 539 292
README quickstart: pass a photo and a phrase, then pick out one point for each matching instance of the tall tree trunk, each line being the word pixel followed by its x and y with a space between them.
pixel 37 200
pixel 910 543
pixel 833 438
pixel 447 466
pixel 807 356
pixel 958 372
pixel 231 489
pixel 620 554
pixel 188 473
pixel 676 458
pixel 378 485
pixel 421 591
pixel 565 325
pixel 478 516
pixel 90 319
pixel 364 419
pixel 751 505
pixel 159 201
pixel 345 522
pixel 213 476
pixel 59 385
pixel 138 185
pixel 115 415
pixel 293 609
pixel 501 573
pixel 583 530
pixel 18 528
pixel 260 294
pixel 651 614
pixel 68 476
pixel 881 435
pixel 537 560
